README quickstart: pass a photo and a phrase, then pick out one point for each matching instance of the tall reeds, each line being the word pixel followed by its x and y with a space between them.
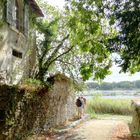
pixel 108 106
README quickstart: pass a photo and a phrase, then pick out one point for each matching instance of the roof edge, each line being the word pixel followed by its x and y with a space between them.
pixel 36 8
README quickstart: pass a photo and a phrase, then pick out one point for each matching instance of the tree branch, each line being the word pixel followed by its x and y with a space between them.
pixel 56 50
pixel 59 56
pixel 64 62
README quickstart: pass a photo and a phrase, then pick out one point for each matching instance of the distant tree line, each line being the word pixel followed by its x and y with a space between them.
pixel 111 86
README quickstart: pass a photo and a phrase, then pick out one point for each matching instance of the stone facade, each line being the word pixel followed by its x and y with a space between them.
pixel 10 64
pixel 17 39
pixel 33 109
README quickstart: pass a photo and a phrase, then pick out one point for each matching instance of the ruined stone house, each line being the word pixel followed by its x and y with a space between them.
pixel 17 38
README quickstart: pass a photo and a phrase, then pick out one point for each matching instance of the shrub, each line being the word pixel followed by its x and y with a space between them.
pixel 33 82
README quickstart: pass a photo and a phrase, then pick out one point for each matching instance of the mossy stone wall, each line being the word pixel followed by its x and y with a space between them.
pixel 25 110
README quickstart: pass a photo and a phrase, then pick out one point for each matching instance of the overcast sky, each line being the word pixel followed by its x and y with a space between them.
pixel 58 3
pixel 115 76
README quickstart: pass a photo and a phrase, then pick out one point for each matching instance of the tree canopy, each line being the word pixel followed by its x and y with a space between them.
pixel 123 36
pixel 80 39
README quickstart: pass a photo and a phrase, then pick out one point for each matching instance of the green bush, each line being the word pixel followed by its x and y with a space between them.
pixel 110 106
pixel 33 82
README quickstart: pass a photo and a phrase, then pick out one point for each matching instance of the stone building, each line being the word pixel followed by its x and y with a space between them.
pixel 17 38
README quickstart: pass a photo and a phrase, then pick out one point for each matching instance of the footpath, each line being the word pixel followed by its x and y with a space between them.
pixel 94 130
pixel 87 129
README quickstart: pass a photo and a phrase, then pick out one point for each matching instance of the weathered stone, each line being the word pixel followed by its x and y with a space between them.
pixel 30 112
pixel 135 125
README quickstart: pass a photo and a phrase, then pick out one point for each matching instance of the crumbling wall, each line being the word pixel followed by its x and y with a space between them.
pixel 31 109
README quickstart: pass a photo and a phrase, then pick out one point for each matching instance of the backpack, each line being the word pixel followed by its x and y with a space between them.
pixel 78 102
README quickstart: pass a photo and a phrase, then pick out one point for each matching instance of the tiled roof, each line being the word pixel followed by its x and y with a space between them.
pixel 36 8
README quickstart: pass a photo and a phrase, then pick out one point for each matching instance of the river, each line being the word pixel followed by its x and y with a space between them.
pixel 114 94
pixel 115 97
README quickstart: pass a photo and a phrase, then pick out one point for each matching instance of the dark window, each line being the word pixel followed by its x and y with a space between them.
pixel 19 15
pixel 17 53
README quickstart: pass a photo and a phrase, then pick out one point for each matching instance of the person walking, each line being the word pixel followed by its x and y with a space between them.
pixel 80 103
pixel 83 105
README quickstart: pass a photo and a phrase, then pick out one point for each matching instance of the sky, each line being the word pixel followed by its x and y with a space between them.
pixel 115 76
pixel 58 3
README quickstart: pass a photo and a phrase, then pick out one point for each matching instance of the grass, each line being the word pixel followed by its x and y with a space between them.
pixel 100 105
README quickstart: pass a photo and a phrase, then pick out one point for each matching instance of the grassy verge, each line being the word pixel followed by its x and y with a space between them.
pixel 108 106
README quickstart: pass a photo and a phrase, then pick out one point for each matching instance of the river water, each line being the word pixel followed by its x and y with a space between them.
pixel 115 97
pixel 115 94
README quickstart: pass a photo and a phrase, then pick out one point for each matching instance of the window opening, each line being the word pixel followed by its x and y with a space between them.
pixel 16 53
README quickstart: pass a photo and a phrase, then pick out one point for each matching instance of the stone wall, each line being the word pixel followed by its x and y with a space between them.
pixel 135 125
pixel 28 109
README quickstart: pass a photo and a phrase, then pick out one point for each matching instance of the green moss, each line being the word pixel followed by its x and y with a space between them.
pixel 32 82
pixel 23 109
pixel 1 23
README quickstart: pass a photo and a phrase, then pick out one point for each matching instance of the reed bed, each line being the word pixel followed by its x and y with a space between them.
pixel 108 106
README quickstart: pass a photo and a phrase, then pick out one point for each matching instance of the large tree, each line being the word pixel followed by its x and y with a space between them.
pixel 75 41
pixel 72 42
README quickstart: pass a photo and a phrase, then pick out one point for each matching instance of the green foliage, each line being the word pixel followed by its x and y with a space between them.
pixel 52 42
pixel 86 32
pixel 87 29
pixel 33 82
pixel 127 42
pixel 1 23
pixel 22 110
pixel 79 86
pixel 109 106
pixel 82 47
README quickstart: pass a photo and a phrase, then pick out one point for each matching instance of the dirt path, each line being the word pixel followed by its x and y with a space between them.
pixel 103 128
pixel 93 130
